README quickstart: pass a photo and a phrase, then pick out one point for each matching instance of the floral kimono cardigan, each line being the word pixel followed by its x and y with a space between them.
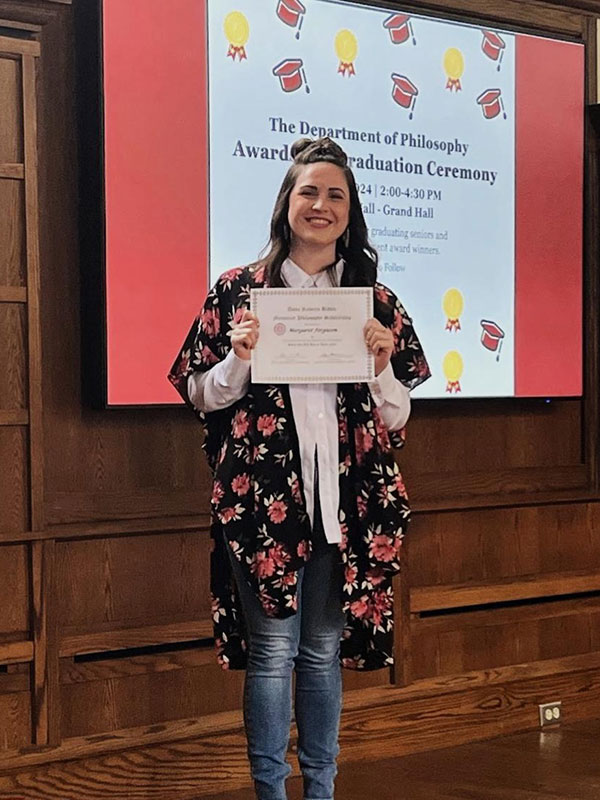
pixel 257 497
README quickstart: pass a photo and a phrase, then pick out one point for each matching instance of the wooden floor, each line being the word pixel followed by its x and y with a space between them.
pixel 561 764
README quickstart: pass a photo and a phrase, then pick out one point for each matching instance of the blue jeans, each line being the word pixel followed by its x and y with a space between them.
pixel 310 642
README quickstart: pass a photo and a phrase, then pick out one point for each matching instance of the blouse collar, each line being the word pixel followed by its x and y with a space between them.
pixel 296 278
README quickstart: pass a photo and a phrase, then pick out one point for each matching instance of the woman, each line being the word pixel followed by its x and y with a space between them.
pixel 308 504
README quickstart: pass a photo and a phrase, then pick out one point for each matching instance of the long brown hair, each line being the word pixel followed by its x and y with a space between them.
pixel 359 255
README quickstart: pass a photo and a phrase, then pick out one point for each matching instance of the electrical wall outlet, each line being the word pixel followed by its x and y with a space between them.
pixel 550 713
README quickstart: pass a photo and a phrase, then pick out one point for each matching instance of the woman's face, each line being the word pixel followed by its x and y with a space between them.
pixel 319 205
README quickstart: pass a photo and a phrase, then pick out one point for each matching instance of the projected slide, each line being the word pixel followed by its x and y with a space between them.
pixel 466 144
pixel 426 112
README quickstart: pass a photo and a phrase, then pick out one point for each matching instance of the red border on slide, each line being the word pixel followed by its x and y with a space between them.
pixel 549 218
pixel 156 189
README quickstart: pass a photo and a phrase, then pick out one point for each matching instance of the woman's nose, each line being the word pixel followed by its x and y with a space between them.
pixel 318 202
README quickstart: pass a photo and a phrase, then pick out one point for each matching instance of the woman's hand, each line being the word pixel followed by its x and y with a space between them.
pixel 380 341
pixel 244 335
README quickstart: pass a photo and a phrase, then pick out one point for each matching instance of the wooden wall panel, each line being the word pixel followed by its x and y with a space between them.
pixel 491 434
pixel 11 119
pixel 108 695
pixel 13 357
pixel 14 600
pixel 451 644
pixel 15 719
pixel 488 544
pixel 14 485
pixel 132 581
pixel 12 233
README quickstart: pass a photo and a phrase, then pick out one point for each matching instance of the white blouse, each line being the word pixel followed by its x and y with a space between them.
pixel 314 407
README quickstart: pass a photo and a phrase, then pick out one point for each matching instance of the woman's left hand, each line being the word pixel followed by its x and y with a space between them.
pixel 380 341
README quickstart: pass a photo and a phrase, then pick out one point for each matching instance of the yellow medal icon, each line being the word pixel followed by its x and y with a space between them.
pixel 453 369
pixel 453 304
pixel 237 32
pixel 346 49
pixel 454 66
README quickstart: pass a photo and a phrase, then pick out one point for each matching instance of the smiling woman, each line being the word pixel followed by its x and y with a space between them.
pixel 309 507
pixel 318 214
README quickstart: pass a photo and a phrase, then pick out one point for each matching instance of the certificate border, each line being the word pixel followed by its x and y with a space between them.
pixel 370 365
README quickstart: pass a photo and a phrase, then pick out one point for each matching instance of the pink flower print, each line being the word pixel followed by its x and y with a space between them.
pixel 184 363
pixel 296 493
pixel 383 548
pixel 386 494
pixel 279 555
pixel 210 322
pixel 421 367
pixel 279 401
pixel 350 574
pixel 400 487
pixel 240 424
pixel 382 433
pixel 360 608
pixel 398 323
pixel 375 576
pixel 303 549
pixel 230 275
pixel 382 295
pixel 277 511
pixel 363 442
pixel 361 505
pixel 343 431
pixel 267 423
pixel 262 565
pixel 241 484
pixel 382 601
pixel 227 514
pixel 238 314
pixel 259 452
pixel 381 605
pixel 207 356
pixel 217 493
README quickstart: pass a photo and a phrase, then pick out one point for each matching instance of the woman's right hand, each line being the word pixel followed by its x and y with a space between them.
pixel 244 335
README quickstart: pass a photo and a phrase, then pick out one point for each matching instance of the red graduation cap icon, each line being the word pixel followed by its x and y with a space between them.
pixel 292 13
pixel 491 103
pixel 291 74
pixel 493 46
pixel 491 336
pixel 404 92
pixel 399 27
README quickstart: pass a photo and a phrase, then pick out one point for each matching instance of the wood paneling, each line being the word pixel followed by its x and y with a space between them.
pixel 14 486
pixel 491 544
pixel 15 719
pixel 12 232
pixel 111 699
pixel 13 360
pixel 460 595
pixel 375 724
pixel 468 641
pixel 132 581
pixel 11 120
pixel 13 652
pixel 124 638
pixel 111 570
pixel 14 601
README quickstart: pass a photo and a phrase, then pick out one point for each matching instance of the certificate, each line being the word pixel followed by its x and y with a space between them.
pixel 312 335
